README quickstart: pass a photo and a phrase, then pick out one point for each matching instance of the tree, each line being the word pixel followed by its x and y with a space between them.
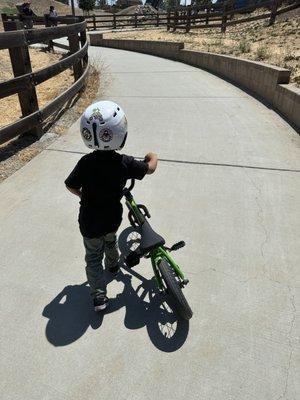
pixel 101 3
pixel 86 5
pixel 171 3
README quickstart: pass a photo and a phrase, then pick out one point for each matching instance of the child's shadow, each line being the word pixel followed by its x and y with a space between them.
pixel 71 313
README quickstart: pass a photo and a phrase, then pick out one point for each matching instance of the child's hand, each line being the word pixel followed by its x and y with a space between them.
pixel 151 159
pixel 149 156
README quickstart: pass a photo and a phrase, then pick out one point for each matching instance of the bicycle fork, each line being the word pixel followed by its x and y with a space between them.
pixel 156 256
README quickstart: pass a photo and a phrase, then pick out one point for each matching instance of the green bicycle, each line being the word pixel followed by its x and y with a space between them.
pixel 169 277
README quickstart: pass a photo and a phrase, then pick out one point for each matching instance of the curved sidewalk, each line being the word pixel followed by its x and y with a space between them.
pixel 228 183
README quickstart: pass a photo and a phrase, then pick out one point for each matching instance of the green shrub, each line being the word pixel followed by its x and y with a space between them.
pixel 262 52
pixel 244 46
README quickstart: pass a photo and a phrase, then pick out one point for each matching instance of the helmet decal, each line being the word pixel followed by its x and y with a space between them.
pixel 86 134
pixel 106 135
pixel 96 114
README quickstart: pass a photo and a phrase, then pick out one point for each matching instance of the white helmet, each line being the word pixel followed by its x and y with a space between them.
pixel 103 126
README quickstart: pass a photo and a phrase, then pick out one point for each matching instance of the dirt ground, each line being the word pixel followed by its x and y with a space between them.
pixel 277 45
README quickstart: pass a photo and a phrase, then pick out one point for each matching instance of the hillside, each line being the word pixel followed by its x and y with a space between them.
pixel 278 44
pixel 40 7
pixel 138 9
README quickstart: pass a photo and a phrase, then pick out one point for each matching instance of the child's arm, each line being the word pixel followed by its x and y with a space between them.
pixel 151 160
pixel 74 180
pixel 77 192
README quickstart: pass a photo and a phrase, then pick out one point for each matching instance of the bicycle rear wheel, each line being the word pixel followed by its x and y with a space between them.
pixel 181 305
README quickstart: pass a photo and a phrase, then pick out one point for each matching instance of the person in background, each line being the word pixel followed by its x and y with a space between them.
pixel 26 10
pixel 53 16
pixel 27 15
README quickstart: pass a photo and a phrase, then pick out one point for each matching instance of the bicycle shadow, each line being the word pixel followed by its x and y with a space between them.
pixel 166 331
pixel 70 313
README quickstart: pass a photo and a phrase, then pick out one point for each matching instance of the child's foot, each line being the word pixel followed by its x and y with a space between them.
pixel 114 270
pixel 100 303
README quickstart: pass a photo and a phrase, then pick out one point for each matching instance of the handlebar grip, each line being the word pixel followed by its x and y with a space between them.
pixel 131 186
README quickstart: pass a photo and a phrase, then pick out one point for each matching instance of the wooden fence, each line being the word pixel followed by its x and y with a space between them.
pixel 17 40
pixel 114 21
pixel 224 14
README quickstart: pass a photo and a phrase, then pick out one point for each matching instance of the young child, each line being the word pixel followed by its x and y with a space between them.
pixel 98 179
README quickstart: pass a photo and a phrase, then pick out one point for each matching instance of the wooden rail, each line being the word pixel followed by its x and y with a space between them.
pixel 16 40
pixel 222 15
pixel 114 21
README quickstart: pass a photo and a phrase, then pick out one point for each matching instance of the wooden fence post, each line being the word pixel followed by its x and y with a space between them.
pixel 82 42
pixel 207 14
pixel 224 17
pixel 273 12
pixel 114 21
pixel 175 20
pixel 4 17
pixel 231 7
pixel 74 46
pixel 168 20
pixel 194 15
pixel 94 22
pixel 157 19
pixel 135 20
pixel 188 20
pixel 48 24
pixel 21 65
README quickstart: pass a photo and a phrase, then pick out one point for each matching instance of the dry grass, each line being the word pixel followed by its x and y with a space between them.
pixel 9 106
pixel 277 45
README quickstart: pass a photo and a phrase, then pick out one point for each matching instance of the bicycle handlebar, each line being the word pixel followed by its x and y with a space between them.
pixel 131 186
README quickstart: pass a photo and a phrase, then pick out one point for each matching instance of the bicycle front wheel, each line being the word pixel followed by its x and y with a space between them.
pixel 181 305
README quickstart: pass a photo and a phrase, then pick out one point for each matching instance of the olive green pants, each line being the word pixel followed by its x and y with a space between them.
pixel 95 249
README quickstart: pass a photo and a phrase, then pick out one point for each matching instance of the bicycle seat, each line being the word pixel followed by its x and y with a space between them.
pixel 149 239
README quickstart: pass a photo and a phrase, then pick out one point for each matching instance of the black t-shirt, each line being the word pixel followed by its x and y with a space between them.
pixel 101 176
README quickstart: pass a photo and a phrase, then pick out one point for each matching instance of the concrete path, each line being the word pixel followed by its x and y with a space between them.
pixel 229 186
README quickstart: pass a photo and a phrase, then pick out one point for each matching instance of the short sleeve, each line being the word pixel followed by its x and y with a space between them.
pixel 74 180
pixel 135 169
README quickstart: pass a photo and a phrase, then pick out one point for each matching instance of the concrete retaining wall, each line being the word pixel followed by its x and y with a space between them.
pixel 287 101
pixel 259 78
pixel 267 81
pixel 161 49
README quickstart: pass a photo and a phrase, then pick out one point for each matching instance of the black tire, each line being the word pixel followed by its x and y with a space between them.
pixel 181 305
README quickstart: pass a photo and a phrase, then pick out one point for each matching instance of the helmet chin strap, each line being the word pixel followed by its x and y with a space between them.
pixel 124 140
pixel 95 134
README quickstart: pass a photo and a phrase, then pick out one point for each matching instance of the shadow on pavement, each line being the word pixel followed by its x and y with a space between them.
pixel 70 313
